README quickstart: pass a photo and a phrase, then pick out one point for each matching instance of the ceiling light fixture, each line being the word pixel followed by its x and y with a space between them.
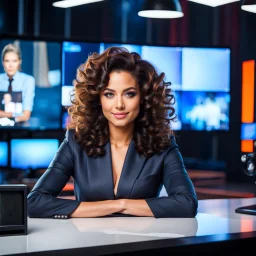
pixel 249 6
pixel 163 9
pixel 71 3
pixel 213 3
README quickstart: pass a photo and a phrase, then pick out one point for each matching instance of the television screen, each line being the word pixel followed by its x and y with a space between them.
pixel 199 76
pixel 165 59
pixel 206 69
pixel 205 110
pixel 66 95
pixel 73 55
pixel 248 131
pixel 30 79
pixel 176 125
pixel 3 153
pixel 65 119
pixel 32 153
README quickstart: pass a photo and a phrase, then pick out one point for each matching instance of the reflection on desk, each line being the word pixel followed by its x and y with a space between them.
pixel 215 221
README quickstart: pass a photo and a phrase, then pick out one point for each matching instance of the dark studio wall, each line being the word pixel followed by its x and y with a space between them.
pixel 117 21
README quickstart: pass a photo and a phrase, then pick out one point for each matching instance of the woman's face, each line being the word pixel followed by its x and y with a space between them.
pixel 11 63
pixel 120 100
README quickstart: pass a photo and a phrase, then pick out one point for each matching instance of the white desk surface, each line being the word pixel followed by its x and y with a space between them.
pixel 215 216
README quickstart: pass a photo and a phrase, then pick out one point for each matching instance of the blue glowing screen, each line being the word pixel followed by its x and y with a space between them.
pixel 32 153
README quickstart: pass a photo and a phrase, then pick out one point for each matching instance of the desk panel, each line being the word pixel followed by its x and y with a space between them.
pixel 216 221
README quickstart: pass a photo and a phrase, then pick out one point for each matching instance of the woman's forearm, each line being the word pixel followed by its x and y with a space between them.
pixel 97 209
pixel 136 208
pixel 24 117
pixel 5 114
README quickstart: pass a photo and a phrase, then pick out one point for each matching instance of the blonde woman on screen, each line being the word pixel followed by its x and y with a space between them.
pixel 14 81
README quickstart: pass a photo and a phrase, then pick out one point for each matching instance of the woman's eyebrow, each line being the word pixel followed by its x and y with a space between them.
pixel 127 89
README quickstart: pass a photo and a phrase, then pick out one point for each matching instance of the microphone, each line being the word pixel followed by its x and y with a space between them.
pixel 249 163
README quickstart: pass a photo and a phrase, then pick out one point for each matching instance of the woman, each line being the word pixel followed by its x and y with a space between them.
pixel 15 82
pixel 119 148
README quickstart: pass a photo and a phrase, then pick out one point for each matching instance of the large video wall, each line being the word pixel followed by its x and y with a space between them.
pixel 199 76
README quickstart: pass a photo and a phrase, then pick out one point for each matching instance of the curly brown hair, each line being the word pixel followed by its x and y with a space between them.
pixel 152 132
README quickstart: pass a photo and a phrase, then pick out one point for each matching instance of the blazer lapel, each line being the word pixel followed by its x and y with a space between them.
pixel 101 175
pixel 132 167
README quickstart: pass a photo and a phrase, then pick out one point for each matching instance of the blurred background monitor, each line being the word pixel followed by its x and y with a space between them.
pixel 73 55
pixel 206 69
pixel 205 110
pixel 3 153
pixel 200 79
pixel 32 153
pixel 248 131
pixel 66 95
pixel 65 118
pixel 41 60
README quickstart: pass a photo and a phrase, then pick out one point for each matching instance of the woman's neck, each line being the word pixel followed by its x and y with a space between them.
pixel 120 136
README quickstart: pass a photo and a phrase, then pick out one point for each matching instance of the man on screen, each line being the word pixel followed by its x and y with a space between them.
pixel 14 82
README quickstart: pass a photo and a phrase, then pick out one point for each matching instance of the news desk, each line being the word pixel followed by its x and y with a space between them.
pixel 216 228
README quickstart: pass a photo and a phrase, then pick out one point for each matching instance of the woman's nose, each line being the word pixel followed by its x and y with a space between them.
pixel 120 103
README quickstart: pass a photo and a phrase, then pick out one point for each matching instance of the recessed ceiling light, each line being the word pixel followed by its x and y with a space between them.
pixel 71 3
pixel 163 9
pixel 160 14
pixel 213 3
pixel 249 6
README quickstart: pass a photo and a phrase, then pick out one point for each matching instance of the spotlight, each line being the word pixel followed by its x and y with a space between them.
pixel 71 3
pixel 249 6
pixel 163 9
pixel 213 3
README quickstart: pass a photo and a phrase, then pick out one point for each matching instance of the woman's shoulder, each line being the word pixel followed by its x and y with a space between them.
pixel 170 147
pixel 69 136
pixel 26 76
pixel 172 144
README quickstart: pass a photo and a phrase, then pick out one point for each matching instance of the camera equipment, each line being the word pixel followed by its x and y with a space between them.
pixel 249 164
pixel 249 167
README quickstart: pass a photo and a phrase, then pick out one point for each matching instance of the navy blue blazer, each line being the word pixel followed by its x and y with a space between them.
pixel 141 178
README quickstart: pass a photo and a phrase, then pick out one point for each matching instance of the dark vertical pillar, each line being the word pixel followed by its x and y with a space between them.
pixel 149 31
pixel 67 24
pixel 37 15
pixel 184 23
pixel 21 17
pixel 216 30
pixel 124 20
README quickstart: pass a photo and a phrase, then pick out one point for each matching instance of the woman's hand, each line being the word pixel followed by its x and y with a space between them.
pixel 97 209
pixel 136 207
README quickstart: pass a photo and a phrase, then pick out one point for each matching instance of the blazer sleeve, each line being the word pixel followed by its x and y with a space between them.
pixel 42 201
pixel 182 199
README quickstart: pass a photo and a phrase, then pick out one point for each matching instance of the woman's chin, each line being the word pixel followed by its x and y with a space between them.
pixel 120 123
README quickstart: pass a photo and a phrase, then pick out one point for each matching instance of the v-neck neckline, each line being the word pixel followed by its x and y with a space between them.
pixel 122 170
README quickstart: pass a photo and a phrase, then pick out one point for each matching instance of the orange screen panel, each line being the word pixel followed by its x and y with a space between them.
pixel 248 91
pixel 247 146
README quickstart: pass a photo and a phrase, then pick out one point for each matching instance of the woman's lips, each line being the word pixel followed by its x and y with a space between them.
pixel 120 115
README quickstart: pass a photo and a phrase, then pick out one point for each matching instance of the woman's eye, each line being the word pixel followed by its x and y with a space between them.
pixel 130 94
pixel 109 95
